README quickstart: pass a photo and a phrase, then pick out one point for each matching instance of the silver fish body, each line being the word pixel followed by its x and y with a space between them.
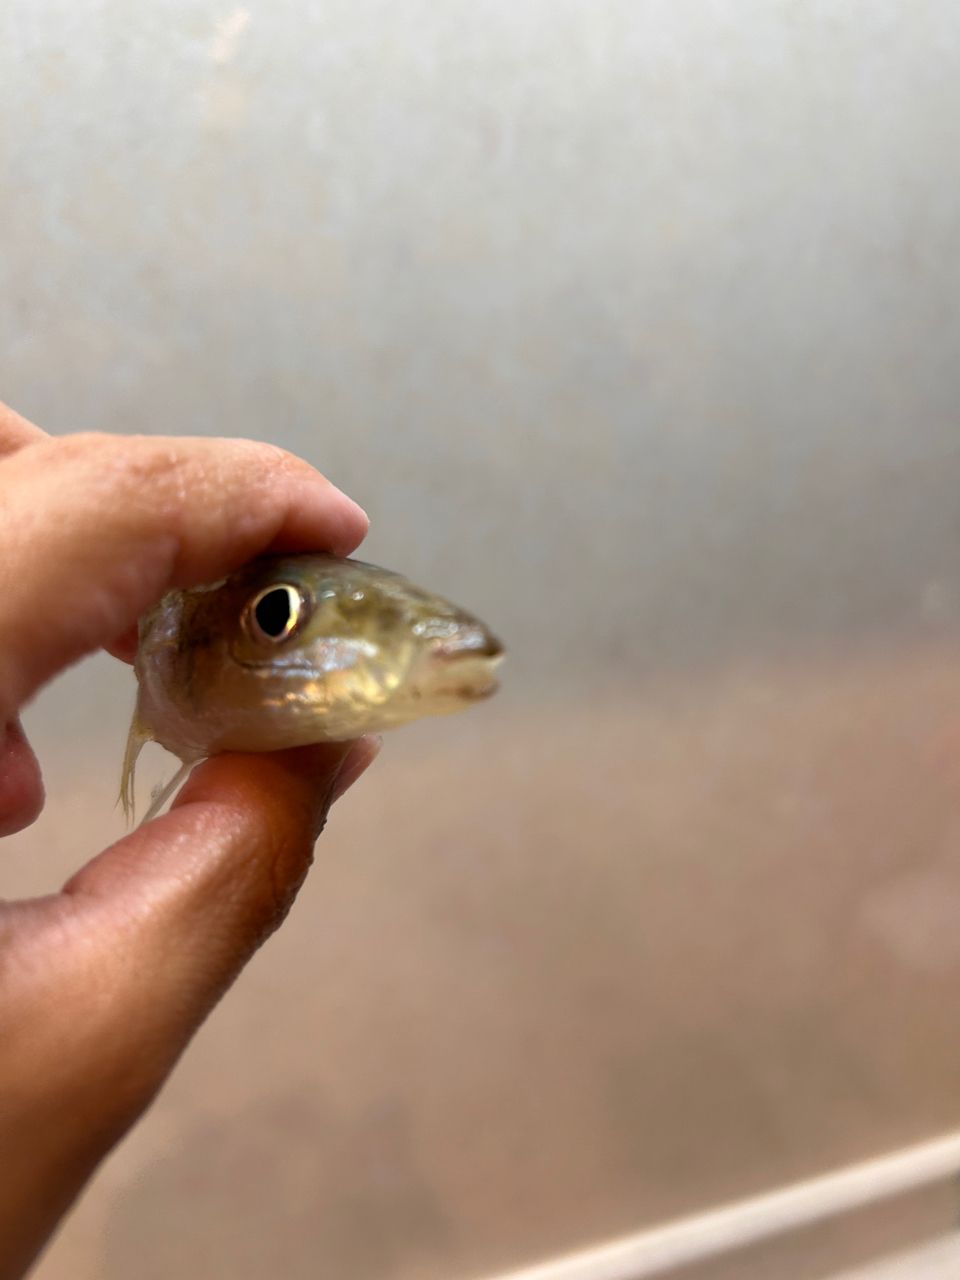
pixel 297 649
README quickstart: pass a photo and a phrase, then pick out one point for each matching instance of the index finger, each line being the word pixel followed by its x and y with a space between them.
pixel 95 529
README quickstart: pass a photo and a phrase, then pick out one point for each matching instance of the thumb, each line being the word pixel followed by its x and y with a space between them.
pixel 179 906
pixel 103 985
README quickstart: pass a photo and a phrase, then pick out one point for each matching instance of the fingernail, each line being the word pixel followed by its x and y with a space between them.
pixel 356 761
pixel 352 763
pixel 359 516
pixel 357 509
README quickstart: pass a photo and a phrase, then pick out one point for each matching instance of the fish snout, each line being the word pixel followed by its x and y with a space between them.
pixel 471 640
pixel 462 663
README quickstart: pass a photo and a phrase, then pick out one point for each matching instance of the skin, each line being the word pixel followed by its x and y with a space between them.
pixel 103 984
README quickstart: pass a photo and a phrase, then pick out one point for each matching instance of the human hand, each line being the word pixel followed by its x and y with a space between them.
pixel 103 984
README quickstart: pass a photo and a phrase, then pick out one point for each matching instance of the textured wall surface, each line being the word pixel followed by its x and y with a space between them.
pixel 635 324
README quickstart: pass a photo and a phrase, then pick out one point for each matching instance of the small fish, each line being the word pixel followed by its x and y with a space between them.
pixel 297 649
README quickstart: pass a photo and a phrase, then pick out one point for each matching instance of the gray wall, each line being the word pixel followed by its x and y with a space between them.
pixel 636 328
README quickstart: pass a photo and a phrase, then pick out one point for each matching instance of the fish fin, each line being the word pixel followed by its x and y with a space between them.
pixel 137 736
pixel 162 794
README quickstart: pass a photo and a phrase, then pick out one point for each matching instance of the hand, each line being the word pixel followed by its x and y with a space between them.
pixel 103 984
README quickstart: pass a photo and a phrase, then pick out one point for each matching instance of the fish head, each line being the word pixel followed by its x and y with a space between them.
pixel 373 636
pixel 306 648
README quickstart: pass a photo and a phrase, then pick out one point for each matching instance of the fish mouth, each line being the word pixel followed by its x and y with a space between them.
pixel 467 664
pixel 470 642
pixel 471 680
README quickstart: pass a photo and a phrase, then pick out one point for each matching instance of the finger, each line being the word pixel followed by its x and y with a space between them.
pixel 176 909
pixel 105 983
pixel 15 432
pixel 124 646
pixel 358 759
pixel 21 787
pixel 96 528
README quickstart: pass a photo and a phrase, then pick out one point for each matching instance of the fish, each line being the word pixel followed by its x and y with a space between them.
pixel 297 649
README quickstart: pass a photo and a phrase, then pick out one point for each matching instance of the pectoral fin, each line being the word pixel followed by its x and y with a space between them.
pixel 137 736
pixel 163 793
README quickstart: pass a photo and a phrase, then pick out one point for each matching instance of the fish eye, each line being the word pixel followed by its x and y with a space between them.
pixel 274 613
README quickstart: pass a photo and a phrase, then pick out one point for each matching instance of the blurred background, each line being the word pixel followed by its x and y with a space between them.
pixel 635 325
